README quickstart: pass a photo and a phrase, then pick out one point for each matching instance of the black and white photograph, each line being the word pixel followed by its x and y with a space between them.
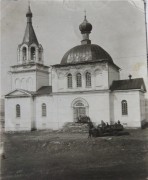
pixel 74 90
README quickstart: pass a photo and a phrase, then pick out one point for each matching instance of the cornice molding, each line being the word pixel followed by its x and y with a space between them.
pixel 82 92
pixel 30 70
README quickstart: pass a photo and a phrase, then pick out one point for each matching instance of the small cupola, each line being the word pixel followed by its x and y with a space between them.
pixel 29 13
pixel 85 28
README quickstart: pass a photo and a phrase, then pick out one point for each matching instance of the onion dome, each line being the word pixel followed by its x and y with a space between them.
pixel 85 53
pixel 85 26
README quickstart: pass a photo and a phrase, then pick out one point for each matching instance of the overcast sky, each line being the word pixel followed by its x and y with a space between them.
pixel 118 27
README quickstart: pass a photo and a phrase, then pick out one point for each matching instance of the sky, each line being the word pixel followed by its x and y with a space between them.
pixel 118 27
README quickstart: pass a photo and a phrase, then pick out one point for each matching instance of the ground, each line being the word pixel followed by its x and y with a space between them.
pixel 44 155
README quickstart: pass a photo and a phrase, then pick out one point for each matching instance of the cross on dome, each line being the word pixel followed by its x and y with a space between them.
pixel 85 14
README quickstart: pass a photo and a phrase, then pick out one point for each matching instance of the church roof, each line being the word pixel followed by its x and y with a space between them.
pixel 85 63
pixel 44 90
pixel 20 93
pixel 128 84
pixel 23 93
pixel 85 53
pixel 29 36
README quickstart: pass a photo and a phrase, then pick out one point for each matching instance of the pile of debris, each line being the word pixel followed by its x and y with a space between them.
pixel 75 127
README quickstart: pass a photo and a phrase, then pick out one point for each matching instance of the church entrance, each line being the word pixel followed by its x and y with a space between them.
pixel 79 112
pixel 79 109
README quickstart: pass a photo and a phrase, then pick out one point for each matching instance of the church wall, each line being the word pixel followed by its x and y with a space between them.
pixel 60 110
pixel 133 119
pixel 113 74
pixel 33 113
pixel 142 108
pixel 24 80
pixel 42 79
pixel 99 77
pixel 54 80
pixel 22 123
pixel 99 108
pixel 45 122
pixel 50 76
pixel 112 114
pixel 146 108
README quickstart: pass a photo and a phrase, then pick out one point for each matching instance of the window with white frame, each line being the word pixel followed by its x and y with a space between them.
pixel 18 111
pixel 124 106
pixel 88 79
pixel 43 109
pixel 69 81
pixel 79 80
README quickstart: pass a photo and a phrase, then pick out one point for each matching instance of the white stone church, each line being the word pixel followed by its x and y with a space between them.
pixel 85 82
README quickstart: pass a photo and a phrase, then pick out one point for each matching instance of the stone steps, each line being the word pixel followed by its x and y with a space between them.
pixel 75 127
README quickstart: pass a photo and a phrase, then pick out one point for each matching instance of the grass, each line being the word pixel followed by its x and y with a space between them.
pixel 71 156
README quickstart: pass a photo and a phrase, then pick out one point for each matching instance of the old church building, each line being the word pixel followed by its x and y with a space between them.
pixel 85 83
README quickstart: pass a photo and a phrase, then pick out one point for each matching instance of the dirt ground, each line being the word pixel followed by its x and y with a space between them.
pixel 44 155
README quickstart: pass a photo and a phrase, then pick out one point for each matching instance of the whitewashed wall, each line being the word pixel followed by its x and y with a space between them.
pixel 113 74
pixel 13 123
pixel 29 77
pixel 60 110
pixel 142 108
pixel 42 79
pixel 24 80
pixel 100 79
pixel 133 119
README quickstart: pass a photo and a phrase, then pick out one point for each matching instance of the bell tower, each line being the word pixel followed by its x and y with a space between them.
pixel 30 73
pixel 30 51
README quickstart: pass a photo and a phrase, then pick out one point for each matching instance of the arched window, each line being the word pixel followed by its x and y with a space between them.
pixel 18 111
pixel 79 80
pixel 43 109
pixel 32 53
pixel 24 53
pixel 88 79
pixel 69 81
pixel 124 107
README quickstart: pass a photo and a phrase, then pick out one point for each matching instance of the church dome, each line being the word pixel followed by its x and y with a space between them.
pixel 84 53
pixel 85 26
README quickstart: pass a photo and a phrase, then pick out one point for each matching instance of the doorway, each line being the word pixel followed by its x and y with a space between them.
pixel 79 109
